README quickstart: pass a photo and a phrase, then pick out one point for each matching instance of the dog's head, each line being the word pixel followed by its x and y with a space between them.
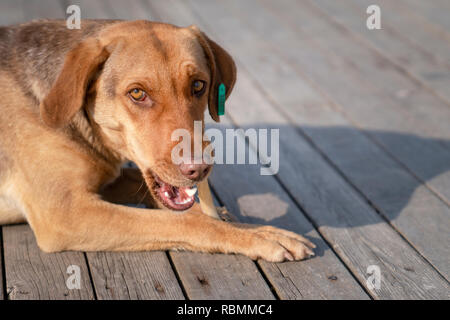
pixel 138 82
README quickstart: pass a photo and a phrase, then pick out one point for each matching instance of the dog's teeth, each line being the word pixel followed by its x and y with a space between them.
pixel 182 202
pixel 191 192
pixel 166 194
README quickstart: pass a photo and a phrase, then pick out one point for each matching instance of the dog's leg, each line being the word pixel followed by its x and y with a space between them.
pixel 93 225
pixel 9 213
pixel 61 204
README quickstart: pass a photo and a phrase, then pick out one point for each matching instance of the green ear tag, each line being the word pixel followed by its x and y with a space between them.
pixel 221 100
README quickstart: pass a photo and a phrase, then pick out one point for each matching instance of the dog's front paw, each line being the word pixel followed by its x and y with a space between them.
pixel 277 245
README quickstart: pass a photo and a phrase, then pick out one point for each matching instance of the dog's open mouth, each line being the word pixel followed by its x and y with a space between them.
pixel 174 198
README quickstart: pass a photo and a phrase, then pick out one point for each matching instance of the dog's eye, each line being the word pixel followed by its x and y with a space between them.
pixel 137 94
pixel 198 87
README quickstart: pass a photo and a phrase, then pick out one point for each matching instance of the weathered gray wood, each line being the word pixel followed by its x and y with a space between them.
pixel 33 274
pixel 368 107
pixel 98 9
pixel 129 10
pixel 371 107
pixel 43 9
pixel 11 12
pixel 405 21
pixel 393 90
pixel 172 13
pixel 424 34
pixel 261 200
pixel 305 172
pixel 220 277
pixel 133 276
pixel 415 60
pixel 397 194
pixel 434 14
pixel 382 87
pixel 356 232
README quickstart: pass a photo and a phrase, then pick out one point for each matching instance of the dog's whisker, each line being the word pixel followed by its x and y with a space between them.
pixel 145 194
pixel 140 187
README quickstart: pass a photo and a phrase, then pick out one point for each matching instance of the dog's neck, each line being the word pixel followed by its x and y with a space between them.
pixel 83 130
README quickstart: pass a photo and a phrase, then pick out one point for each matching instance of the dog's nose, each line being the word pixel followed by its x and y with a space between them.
pixel 193 171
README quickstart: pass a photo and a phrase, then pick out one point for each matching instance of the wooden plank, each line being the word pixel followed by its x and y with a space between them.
pixel 11 12
pixel 434 13
pixel 403 20
pixel 33 274
pixel 398 195
pixel 220 277
pixel 43 9
pixel 129 10
pixel 344 218
pixel 172 13
pixel 290 280
pixel 99 9
pixel 425 34
pixel 369 107
pixel 415 60
pixel 133 276
pixel 377 77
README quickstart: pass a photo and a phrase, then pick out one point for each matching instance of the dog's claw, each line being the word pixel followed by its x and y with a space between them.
pixel 288 256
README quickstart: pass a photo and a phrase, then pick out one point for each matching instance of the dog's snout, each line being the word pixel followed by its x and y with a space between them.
pixel 194 171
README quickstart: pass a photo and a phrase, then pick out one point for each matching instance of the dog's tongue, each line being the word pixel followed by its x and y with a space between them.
pixel 176 198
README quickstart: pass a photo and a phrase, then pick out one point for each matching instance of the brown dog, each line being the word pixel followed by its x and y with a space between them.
pixel 76 104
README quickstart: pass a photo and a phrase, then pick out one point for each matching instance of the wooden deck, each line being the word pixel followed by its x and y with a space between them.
pixel 364 118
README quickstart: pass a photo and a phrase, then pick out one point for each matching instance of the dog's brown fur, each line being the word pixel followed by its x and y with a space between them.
pixel 67 126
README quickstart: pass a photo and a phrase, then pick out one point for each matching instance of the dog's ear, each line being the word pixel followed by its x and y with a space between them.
pixel 223 70
pixel 67 94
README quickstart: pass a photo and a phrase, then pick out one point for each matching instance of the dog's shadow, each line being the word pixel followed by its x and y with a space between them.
pixel 381 179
